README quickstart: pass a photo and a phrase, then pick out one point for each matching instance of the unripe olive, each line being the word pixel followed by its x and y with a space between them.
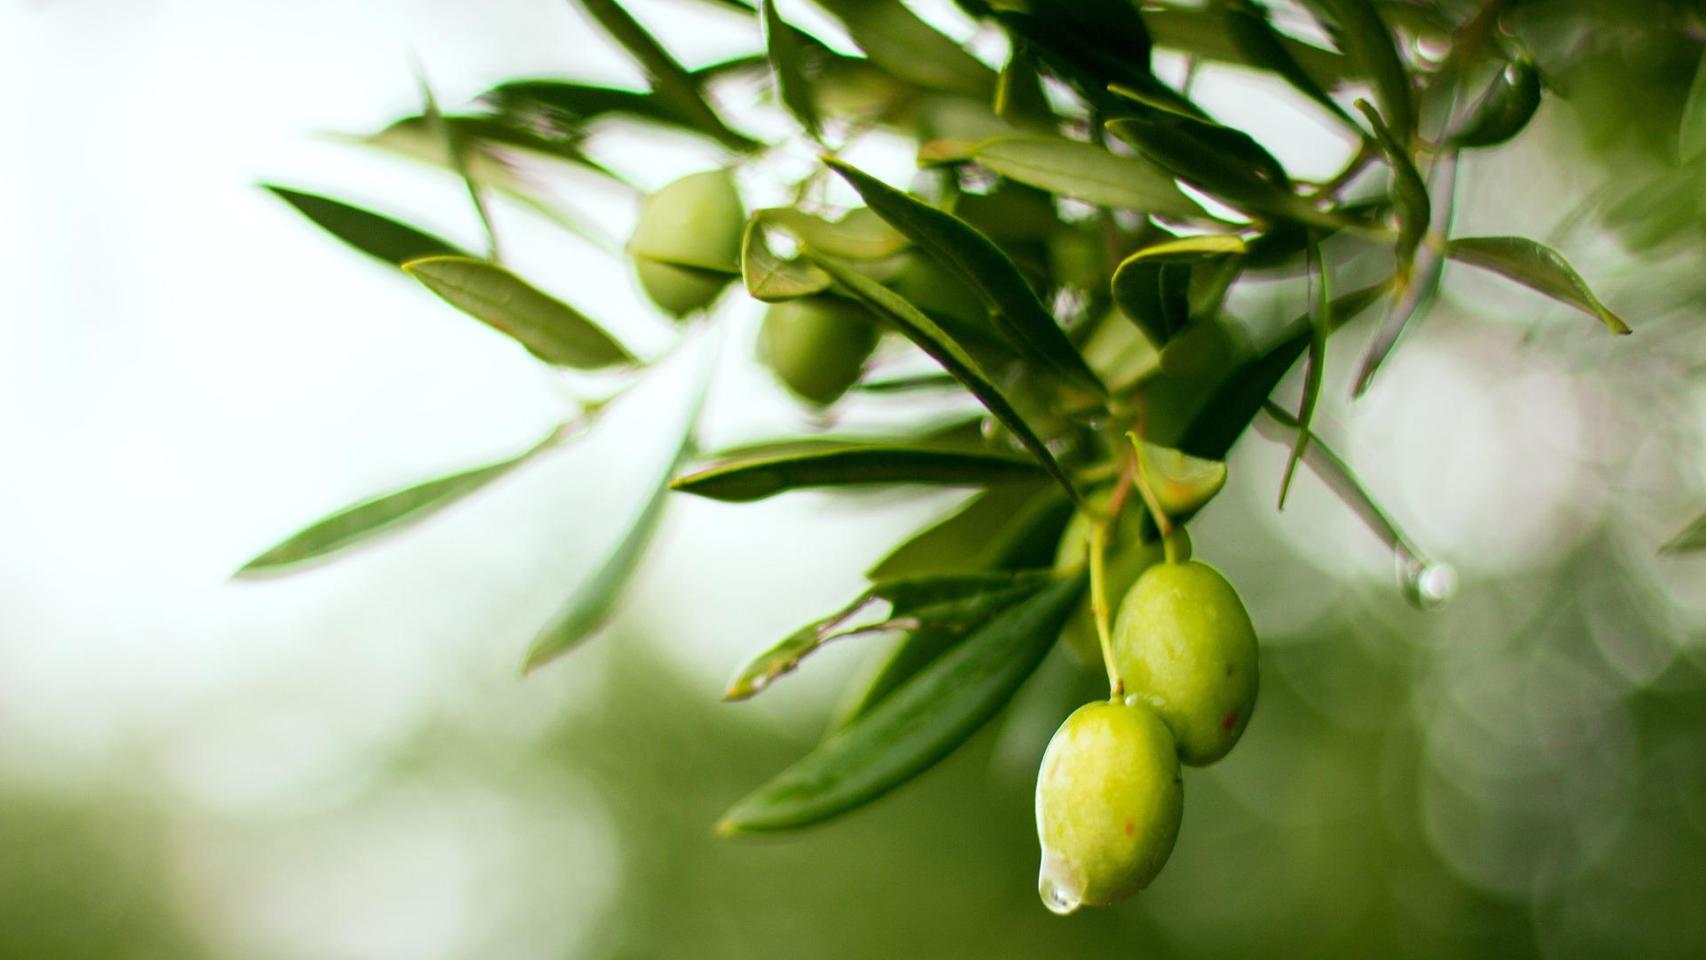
pixel 686 243
pixel 1184 644
pixel 1127 556
pixel 1109 801
pixel 817 346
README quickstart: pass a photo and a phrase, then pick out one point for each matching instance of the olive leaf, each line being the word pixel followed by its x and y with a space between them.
pixel 757 477
pixel 1321 323
pixel 975 259
pixel 1417 294
pixel 1152 286
pixel 860 234
pixel 969 538
pixel 1504 110
pixel 770 278
pixel 1086 172
pixel 1414 209
pixel 1182 484
pixel 942 348
pixel 1358 30
pixel 370 518
pixel 1202 32
pixel 900 43
pixel 1261 45
pixel 1088 44
pixel 551 330
pixel 672 83
pixel 1536 266
pixel 457 150
pixel 1691 136
pixel 946 606
pixel 914 726
pixel 793 88
pixel 1689 539
pixel 377 236
pixel 1019 96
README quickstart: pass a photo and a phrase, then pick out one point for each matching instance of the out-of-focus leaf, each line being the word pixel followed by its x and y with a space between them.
pixel 1202 33
pixel 916 725
pixel 1321 323
pixel 1411 302
pixel 951 606
pixel 551 330
pixel 1689 539
pixel 457 152
pixel 1536 266
pixel 568 105
pixel 1414 209
pixel 1182 484
pixel 896 40
pixel 1260 44
pixel 1358 30
pixel 942 348
pixel 1152 286
pixel 755 478
pixel 1019 97
pixel 1220 420
pixel 859 235
pixel 365 520
pixel 770 278
pixel 964 540
pixel 672 83
pixel 793 88
pixel 976 260
pixel 909 383
pixel 1502 112
pixel 1088 44
pixel 589 608
pixel 1691 138
pixel 375 235
pixel 1086 172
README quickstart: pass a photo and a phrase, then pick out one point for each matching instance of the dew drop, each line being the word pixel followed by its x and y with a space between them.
pixel 1059 892
pixel 1432 48
pixel 1426 584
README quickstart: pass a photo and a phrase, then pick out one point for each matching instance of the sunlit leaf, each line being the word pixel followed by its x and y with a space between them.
pixel 907 47
pixel 916 725
pixel 1152 286
pixel 1414 209
pixel 1504 110
pixel 375 235
pixel 1086 172
pixel 1261 45
pixel 1358 30
pixel 859 235
pixel 1182 484
pixel 1536 266
pixel 551 330
pixel 770 278
pixel 1202 33
pixel 930 338
pixel 755 478
pixel 370 518
pixel 977 261
pixel 792 85
pixel 948 606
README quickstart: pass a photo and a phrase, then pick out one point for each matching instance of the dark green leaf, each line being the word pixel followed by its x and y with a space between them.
pixel 755 478
pixel 930 338
pixel 1019 96
pixel 1536 266
pixel 672 83
pixel 770 278
pixel 1088 44
pixel 570 106
pixel 1503 110
pixel 551 330
pixel 1413 207
pixel 948 607
pixel 907 47
pixel 1086 172
pixel 1691 137
pixel 1248 26
pixel 977 261
pixel 1152 286
pixel 916 725
pixel 1359 31
pixel 457 151
pixel 372 234
pixel 1690 539
pixel 792 86
pixel 365 520
pixel 1321 324
pixel 1411 304
pixel 1202 33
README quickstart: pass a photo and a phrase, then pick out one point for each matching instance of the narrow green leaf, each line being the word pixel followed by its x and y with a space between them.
pixel 1356 26
pixel 907 384
pixel 907 47
pixel 916 725
pixel 1088 44
pixel 793 88
pixel 1691 137
pixel 1414 209
pixel 1536 266
pixel 755 478
pixel 456 151
pixel 1182 484
pixel 948 606
pixel 375 235
pixel 1019 96
pixel 1411 304
pixel 942 348
pixel 672 82
pixel 1260 44
pixel 770 278
pixel 1321 324
pixel 571 106
pixel 965 539
pixel 1087 172
pixel 1689 539
pixel 1202 33
pixel 1501 113
pixel 551 330
pixel 977 261
pixel 1152 286
pixel 859 235
pixel 370 518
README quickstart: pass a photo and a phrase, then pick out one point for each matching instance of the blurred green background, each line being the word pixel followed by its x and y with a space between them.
pixel 345 764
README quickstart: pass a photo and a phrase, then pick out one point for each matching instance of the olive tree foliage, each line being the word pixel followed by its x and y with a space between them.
pixel 1068 254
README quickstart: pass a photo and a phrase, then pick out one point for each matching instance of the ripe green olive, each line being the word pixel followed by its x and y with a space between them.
pixel 817 346
pixel 686 242
pixel 1184 643
pixel 1109 800
pixel 1127 556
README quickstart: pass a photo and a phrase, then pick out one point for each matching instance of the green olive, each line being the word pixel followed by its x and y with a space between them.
pixel 1109 799
pixel 817 346
pixel 1127 556
pixel 686 243
pixel 1184 644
